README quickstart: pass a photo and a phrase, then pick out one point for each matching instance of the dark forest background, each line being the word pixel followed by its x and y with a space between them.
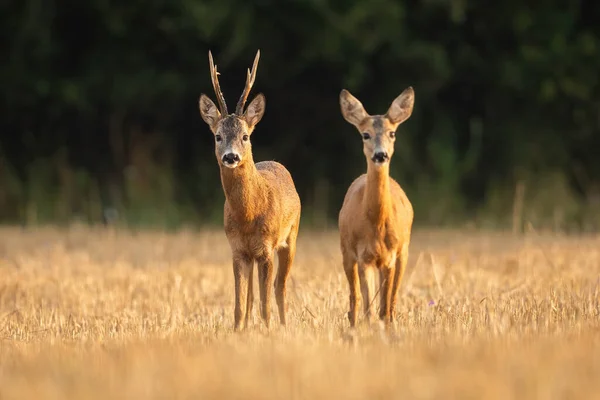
pixel 99 106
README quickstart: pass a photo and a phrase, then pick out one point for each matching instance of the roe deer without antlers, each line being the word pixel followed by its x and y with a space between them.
pixel 376 218
pixel 262 207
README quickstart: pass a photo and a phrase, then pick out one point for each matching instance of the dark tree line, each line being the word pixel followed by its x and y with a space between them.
pixel 99 104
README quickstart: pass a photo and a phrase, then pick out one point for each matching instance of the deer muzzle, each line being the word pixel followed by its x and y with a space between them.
pixel 231 160
pixel 380 157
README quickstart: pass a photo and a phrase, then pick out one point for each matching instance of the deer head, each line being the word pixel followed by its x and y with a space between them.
pixel 378 131
pixel 232 131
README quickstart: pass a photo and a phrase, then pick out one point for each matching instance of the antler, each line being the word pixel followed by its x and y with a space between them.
pixel 215 81
pixel 239 110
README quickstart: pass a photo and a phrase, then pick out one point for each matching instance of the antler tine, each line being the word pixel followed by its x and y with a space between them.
pixel 250 77
pixel 214 76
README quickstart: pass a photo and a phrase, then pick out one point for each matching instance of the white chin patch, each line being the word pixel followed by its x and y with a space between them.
pixel 232 166
pixel 379 163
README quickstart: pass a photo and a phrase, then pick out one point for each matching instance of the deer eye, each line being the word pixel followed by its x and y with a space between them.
pixel 366 136
pixel 392 134
pixel 218 138
pixel 245 138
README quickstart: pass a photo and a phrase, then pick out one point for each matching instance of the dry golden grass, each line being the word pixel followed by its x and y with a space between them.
pixel 91 314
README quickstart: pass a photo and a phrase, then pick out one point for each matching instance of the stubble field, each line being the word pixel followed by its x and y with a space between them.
pixel 96 314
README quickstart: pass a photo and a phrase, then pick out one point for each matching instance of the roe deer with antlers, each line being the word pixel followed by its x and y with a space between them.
pixel 375 220
pixel 262 207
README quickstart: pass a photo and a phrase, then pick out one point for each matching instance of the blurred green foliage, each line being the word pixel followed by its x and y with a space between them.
pixel 99 105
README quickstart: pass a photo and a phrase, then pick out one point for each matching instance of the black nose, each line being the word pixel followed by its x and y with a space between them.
pixel 380 156
pixel 231 158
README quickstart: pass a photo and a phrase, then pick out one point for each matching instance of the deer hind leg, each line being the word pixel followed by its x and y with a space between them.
pixel 401 262
pixel 265 282
pixel 250 296
pixel 367 287
pixel 242 268
pixel 351 270
pixel 386 274
pixel 285 255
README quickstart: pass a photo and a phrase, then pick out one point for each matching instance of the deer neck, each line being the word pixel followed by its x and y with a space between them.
pixel 377 198
pixel 242 188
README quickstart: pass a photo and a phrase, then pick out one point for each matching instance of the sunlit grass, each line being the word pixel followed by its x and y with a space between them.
pixel 96 314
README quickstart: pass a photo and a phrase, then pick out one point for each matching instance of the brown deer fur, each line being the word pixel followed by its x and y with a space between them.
pixel 262 207
pixel 376 218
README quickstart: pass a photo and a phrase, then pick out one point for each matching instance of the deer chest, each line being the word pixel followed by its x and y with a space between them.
pixel 380 247
pixel 254 238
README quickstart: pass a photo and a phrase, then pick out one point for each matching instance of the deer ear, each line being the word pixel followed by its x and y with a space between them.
pixel 255 111
pixel 402 106
pixel 209 112
pixel 352 109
